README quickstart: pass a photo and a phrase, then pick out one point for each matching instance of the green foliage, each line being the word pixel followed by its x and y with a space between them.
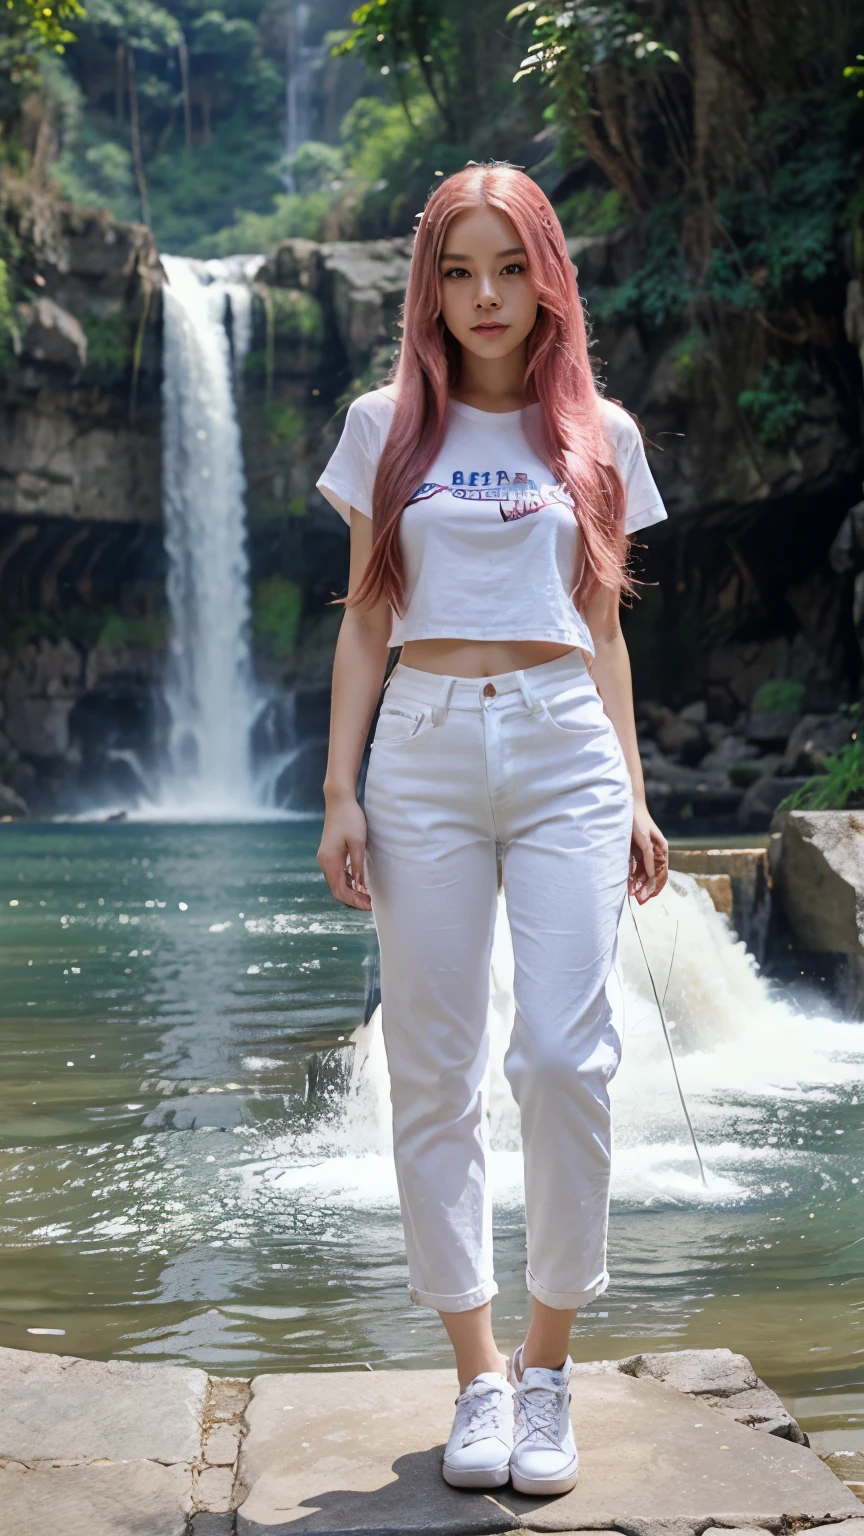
pixel 206 155
pixel 371 182
pixel 781 695
pixel 99 176
pixel 593 211
pixel 578 38
pixel 742 775
pixel 659 289
pixel 839 787
pixel 297 316
pixel 292 215
pixel 28 28
pixel 316 166
pixel 284 423
pixel 782 227
pixel 147 633
pixel 8 319
pixel 570 42
pixel 775 405
pixel 686 353
pixel 110 345
pixel 277 605
pixel 856 72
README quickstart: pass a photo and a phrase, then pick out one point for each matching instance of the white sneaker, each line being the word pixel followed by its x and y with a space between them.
pixel 477 1455
pixel 544 1458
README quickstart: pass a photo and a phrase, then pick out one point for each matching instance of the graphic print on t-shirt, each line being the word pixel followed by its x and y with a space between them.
pixel 516 495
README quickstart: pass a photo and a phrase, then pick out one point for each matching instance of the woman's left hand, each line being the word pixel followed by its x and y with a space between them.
pixel 649 857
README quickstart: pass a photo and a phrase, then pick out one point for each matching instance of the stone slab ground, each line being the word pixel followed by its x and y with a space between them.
pixel 671 1445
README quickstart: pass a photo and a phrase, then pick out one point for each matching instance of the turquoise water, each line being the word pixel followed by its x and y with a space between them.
pixel 178 1181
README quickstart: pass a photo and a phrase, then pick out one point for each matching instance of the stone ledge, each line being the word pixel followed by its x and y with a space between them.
pixel 120 1449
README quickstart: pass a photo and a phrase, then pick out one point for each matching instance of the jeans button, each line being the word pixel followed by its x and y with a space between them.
pixel 489 691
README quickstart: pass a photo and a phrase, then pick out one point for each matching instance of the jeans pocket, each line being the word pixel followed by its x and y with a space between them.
pixel 396 725
pixel 576 713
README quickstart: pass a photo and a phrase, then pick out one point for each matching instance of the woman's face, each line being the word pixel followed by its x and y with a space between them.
pixel 488 299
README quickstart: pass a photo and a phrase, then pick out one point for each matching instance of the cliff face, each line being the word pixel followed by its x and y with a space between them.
pixel 741 588
pixel 81 560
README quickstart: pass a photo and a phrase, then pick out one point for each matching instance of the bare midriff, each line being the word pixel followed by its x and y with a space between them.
pixel 479 658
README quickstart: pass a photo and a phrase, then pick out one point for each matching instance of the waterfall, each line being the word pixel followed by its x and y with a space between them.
pixel 209 690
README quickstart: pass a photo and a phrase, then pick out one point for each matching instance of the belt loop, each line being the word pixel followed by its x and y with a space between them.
pixel 442 703
pixel 534 706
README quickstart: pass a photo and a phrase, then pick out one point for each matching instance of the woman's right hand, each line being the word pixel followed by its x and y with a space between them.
pixel 342 853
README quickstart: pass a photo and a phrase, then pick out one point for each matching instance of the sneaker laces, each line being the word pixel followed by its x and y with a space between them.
pixel 479 1412
pixel 538 1410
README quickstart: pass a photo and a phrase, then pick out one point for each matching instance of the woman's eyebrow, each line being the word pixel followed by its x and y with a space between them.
pixel 515 250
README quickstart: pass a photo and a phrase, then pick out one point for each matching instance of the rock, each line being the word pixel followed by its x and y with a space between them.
pixel 227 1398
pixel 848 1466
pixel 813 739
pixel 11 805
pixel 761 1409
pixel 677 736
pixel 651 1459
pixel 221 1445
pixel 674 790
pixel 766 766
pixel 697 712
pixel 212 1488
pixel 750 878
pixel 820 877
pixel 58 1408
pixel 771 727
pixel 719 888
pixel 40 690
pixel 695 1371
pixel 849 1528
pixel 730 749
pixel 294 263
pixel 761 801
pixel 364 281
pixel 219 1111
pixel 734 1530
pixel 137 1498
pixel 52 335
pixel 682 739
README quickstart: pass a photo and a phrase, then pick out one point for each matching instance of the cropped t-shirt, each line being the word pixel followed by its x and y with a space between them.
pixel 490 543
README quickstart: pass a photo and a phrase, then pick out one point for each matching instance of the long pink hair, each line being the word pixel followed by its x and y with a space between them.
pixel 573 441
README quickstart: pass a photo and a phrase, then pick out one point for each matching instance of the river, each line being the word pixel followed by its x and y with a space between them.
pixel 195 1159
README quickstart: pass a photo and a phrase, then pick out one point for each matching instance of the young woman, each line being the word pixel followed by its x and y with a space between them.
pixel 490 492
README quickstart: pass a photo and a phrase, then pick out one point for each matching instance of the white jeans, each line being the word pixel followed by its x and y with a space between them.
pixel 526 763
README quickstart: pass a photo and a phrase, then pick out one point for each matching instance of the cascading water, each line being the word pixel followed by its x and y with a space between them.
pixel 210 690
pixel 738 1044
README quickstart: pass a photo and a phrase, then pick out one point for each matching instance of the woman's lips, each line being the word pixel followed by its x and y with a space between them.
pixel 497 328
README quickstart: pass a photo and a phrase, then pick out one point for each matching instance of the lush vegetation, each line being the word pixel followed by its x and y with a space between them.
pixel 839 788
pixel 175 112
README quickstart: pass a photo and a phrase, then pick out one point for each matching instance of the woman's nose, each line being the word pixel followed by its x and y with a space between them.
pixel 487 298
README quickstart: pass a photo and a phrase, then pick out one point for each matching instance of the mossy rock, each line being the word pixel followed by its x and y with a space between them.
pixel 110 346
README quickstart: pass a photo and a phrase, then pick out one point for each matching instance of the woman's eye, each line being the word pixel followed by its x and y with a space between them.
pixel 513 266
pixel 457 272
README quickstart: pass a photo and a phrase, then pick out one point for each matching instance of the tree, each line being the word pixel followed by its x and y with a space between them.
pixel 724 124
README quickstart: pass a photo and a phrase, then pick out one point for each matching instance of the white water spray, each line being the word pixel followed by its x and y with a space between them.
pixel 742 1052
pixel 210 691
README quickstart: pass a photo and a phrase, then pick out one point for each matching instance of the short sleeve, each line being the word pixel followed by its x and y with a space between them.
pixel 644 502
pixel 349 475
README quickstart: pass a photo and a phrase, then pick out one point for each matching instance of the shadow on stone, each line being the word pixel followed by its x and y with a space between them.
pixel 417 1503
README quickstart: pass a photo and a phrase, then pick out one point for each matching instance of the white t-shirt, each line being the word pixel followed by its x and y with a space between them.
pixel 490 543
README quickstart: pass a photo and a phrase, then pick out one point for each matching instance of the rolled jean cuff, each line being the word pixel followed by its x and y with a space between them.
pixel 565 1301
pixel 464 1303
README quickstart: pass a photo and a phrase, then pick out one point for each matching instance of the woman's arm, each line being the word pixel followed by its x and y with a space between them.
pixel 358 673
pixel 611 671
